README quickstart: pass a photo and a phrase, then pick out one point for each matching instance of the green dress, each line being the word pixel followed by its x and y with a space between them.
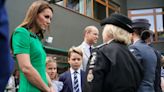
pixel 26 42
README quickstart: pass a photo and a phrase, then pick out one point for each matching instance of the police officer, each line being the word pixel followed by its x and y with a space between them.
pixel 146 55
pixel 147 36
pixel 112 67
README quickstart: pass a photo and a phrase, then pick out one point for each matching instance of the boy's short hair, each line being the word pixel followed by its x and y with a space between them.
pixel 75 50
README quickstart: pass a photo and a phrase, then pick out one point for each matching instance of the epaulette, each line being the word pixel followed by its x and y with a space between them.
pixel 101 45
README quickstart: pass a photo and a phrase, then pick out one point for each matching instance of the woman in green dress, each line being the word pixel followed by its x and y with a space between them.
pixel 28 49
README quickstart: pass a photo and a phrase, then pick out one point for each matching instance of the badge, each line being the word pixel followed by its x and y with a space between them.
pixel 91 66
pixel 93 58
pixel 90 76
pixel 131 50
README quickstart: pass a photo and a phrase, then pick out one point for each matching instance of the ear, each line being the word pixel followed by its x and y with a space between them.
pixel 88 32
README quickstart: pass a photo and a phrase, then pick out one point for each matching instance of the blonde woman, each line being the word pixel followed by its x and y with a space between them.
pixel 112 67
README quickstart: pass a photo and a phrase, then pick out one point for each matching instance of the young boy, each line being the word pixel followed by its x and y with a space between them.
pixel 73 78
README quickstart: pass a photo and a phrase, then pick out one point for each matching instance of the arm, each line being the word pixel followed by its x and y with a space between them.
pixel 50 83
pixel 30 72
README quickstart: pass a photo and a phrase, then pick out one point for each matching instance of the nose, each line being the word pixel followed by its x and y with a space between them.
pixel 97 36
pixel 53 70
pixel 48 21
pixel 76 61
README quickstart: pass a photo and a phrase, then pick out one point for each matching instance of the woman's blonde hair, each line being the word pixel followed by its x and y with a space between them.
pixel 50 59
pixel 118 34
pixel 31 15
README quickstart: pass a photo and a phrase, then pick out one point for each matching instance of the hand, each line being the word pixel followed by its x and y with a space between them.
pixel 52 89
pixel 47 90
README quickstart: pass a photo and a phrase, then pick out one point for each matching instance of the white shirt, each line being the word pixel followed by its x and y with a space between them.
pixel 57 85
pixel 78 76
pixel 86 54
pixel 11 85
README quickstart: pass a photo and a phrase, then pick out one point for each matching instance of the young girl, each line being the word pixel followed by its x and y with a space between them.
pixel 51 68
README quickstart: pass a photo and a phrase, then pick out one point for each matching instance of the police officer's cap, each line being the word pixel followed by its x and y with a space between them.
pixel 140 23
pixel 118 20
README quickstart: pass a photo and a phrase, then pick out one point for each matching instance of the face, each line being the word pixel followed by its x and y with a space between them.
pixel 17 74
pixel 132 35
pixel 51 69
pixel 44 18
pixel 106 35
pixel 93 36
pixel 75 60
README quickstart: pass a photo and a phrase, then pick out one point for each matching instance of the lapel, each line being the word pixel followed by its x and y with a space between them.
pixel 69 79
pixel 82 78
pixel 85 49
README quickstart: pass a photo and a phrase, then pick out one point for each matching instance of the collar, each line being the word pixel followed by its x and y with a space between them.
pixel 86 45
pixel 31 33
pixel 109 41
pixel 136 41
pixel 72 70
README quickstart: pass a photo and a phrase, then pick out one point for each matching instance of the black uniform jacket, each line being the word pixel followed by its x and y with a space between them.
pixel 112 68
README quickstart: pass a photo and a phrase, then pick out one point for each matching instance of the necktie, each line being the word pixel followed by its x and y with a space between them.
pixel 76 84
pixel 90 49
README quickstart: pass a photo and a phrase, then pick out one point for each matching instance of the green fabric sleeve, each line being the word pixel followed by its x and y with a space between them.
pixel 21 41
